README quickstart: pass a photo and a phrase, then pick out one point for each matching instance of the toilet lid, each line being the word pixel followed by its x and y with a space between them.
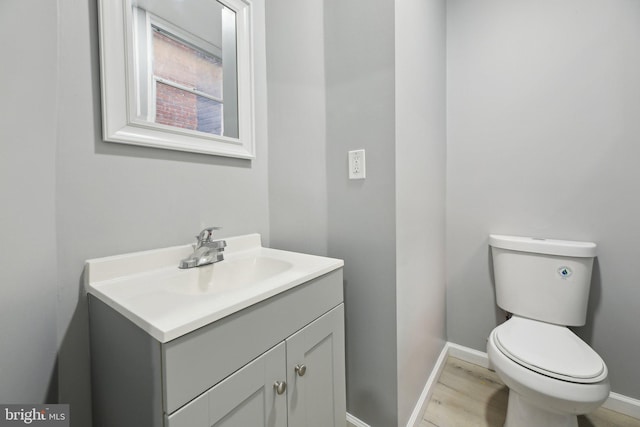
pixel 551 350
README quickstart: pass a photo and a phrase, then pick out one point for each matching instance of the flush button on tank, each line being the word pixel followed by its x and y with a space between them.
pixel 564 272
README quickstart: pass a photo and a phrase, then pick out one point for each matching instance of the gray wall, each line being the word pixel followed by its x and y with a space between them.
pixel 69 196
pixel 331 90
pixel 297 147
pixel 420 141
pixel 543 107
pixel 360 97
pixel 28 268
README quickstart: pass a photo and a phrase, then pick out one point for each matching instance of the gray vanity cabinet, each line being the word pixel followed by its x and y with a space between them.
pixel 307 363
pixel 224 373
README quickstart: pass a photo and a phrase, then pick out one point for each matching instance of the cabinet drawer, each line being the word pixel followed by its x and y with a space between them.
pixel 195 362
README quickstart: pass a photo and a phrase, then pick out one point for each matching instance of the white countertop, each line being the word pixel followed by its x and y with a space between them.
pixel 149 289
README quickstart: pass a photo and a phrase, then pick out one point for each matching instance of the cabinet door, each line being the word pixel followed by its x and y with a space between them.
pixel 245 398
pixel 248 397
pixel 316 395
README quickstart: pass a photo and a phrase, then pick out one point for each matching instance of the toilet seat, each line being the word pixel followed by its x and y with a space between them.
pixel 550 350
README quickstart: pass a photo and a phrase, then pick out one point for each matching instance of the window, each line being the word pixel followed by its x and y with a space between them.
pixel 180 74
pixel 187 85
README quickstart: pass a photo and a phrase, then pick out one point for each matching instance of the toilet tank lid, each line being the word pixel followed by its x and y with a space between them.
pixel 544 246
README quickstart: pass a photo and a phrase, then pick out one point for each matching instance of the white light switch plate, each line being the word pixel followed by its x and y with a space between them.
pixel 357 165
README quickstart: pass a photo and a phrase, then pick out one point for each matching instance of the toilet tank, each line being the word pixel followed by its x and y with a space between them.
pixel 543 279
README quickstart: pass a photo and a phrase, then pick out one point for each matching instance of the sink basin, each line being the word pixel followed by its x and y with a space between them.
pixel 149 289
pixel 227 276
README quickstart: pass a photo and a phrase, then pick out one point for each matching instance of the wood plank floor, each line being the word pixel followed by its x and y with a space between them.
pixel 468 395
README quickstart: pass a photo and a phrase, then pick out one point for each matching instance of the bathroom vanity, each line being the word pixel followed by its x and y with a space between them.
pixel 257 339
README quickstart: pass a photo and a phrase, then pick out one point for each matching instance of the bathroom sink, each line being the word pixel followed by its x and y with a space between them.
pixel 234 274
pixel 149 289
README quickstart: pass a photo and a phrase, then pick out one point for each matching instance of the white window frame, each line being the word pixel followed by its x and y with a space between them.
pixel 122 122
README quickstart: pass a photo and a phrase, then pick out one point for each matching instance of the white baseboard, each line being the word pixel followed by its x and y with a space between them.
pixel 355 421
pixel 425 396
pixel 423 401
pixel 467 354
pixel 623 404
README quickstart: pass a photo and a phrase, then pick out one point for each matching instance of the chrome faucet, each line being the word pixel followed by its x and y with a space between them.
pixel 207 250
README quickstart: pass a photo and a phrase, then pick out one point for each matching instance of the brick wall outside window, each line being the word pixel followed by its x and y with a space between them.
pixel 185 65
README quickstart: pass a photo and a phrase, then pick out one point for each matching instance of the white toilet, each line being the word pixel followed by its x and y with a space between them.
pixel 551 373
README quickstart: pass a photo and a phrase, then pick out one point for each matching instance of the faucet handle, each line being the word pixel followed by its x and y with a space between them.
pixel 206 234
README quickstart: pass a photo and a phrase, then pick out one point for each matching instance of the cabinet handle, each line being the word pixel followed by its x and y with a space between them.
pixel 301 370
pixel 280 387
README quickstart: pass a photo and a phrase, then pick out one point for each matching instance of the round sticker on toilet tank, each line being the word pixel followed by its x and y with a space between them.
pixel 564 272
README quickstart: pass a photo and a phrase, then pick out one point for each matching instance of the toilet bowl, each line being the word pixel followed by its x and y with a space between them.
pixel 551 373
pixel 551 377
